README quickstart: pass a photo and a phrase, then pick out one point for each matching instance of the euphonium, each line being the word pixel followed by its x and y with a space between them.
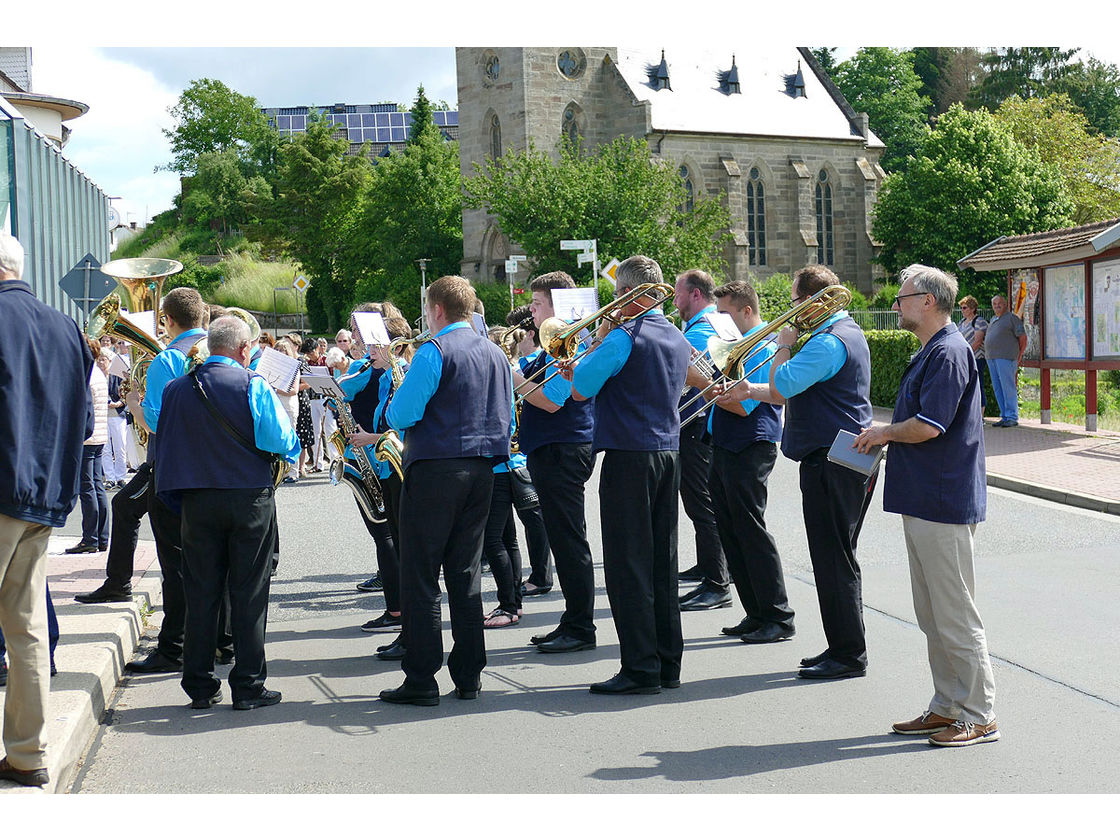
pixel 390 449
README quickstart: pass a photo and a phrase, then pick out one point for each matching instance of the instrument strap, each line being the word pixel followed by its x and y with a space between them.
pixel 225 424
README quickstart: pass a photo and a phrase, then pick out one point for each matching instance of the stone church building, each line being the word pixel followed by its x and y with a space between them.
pixel 797 167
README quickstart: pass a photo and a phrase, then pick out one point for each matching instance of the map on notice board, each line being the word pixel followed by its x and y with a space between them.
pixel 1065 312
pixel 1106 309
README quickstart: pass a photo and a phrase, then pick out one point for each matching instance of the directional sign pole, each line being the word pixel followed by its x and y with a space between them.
pixel 423 292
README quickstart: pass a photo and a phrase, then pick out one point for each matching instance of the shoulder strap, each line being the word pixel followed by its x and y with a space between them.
pixel 223 422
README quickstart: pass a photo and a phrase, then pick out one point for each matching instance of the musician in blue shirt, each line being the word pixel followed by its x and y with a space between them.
pixel 695 299
pixel 456 405
pixel 636 375
pixel 228 508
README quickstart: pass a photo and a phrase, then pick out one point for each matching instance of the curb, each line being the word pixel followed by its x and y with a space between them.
pixel 1055 494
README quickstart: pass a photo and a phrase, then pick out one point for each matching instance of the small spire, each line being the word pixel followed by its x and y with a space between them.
pixel 661 75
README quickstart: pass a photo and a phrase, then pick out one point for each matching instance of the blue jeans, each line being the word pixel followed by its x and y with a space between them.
pixel 1004 373
pixel 94 499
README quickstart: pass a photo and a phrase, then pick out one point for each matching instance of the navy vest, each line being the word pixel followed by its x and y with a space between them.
pixel 843 402
pixel 194 451
pixel 469 414
pixel 735 433
pixel 184 344
pixel 364 404
pixel 636 409
pixel 574 422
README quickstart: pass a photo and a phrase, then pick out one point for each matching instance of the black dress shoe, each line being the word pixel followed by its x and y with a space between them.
pixel 830 669
pixel 154 663
pixel 207 702
pixel 693 575
pixel 223 657
pixel 82 548
pixel 709 599
pixel 767 633
pixel 545 637
pixel 265 698
pixel 385 621
pixel 393 653
pixel 670 683
pixel 468 693
pixel 105 594
pixel 565 644
pixel 395 641
pixel 810 661
pixel 533 593
pixel 619 684
pixel 411 696
pixel 747 625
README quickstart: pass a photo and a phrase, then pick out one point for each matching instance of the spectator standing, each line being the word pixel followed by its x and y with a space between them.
pixel 1004 343
pixel 114 461
pixel 973 328
pixel 94 500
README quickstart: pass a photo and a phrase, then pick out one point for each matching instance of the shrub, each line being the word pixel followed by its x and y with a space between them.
pixel 773 295
pixel 495 297
pixel 891 351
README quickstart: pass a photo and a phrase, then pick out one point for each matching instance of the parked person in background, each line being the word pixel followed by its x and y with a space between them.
pixel 973 329
pixel 1004 343
pixel 95 502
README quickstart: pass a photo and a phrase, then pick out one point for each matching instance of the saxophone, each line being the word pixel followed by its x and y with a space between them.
pixel 367 489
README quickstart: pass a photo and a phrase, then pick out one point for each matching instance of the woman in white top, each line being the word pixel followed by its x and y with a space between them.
pixel 94 500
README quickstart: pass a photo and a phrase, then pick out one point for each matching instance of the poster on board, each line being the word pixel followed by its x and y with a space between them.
pixel 1024 288
pixel 1106 309
pixel 1065 311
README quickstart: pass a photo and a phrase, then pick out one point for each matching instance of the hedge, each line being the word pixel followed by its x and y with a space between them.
pixel 891 351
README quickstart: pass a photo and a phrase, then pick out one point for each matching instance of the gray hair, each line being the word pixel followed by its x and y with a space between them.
pixel 227 334
pixel 941 284
pixel 11 255
pixel 335 357
pixel 636 270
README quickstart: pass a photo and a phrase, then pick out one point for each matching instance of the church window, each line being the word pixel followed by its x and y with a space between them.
pixel 569 126
pixel 689 189
pixel 571 63
pixel 756 218
pixel 493 67
pixel 495 137
pixel 825 252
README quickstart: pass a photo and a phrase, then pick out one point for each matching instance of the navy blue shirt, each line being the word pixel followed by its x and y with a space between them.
pixel 942 479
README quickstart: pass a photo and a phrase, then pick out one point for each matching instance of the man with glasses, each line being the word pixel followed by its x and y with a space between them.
pixel 826 387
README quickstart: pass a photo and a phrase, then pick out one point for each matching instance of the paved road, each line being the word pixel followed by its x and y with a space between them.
pixel 742 722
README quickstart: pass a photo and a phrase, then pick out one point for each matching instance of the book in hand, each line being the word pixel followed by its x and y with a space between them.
pixel 281 371
pixel 843 454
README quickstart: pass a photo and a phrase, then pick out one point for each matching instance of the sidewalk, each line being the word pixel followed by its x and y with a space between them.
pixel 95 641
pixel 1059 462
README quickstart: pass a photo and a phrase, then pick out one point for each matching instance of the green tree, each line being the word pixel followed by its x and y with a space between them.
pixel 213 195
pixel 1060 134
pixel 319 188
pixel 970 182
pixel 1094 87
pixel 209 117
pixel 423 126
pixel 882 82
pixel 617 194
pixel 826 58
pixel 1026 71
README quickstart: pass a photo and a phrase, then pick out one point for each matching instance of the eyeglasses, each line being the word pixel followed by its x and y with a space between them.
pixel 897 298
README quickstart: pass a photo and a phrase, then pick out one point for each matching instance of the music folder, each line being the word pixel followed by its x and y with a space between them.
pixel 843 454
pixel 325 386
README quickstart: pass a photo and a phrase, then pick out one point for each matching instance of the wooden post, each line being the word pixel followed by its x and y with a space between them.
pixel 1090 400
pixel 1044 394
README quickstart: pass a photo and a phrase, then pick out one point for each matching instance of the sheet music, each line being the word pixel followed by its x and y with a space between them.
pixel 324 386
pixel 282 372
pixel 320 370
pixel 371 328
pixel 144 320
pixel 724 326
pixel 120 366
pixel 573 304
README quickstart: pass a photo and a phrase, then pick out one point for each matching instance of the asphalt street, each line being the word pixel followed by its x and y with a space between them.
pixel 741 722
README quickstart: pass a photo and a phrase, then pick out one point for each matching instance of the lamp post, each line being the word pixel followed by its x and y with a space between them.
pixel 423 292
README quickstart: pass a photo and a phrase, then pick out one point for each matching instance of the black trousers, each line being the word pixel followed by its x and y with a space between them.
pixel 696 469
pixel 738 486
pixel 386 537
pixel 538 548
pixel 834 501
pixel 638 511
pixel 444 505
pixel 227 540
pixel 129 505
pixel 499 545
pixel 560 471
pixel 166 530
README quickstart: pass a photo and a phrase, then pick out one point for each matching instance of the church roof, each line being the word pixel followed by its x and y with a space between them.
pixel 695 100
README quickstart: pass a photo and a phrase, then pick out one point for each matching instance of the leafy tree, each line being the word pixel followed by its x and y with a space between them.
pixel 1094 87
pixel 617 194
pixel 948 74
pixel 1061 135
pixel 423 126
pixel 319 188
pixel 210 117
pixel 1026 71
pixel 970 182
pixel 882 82
pixel 826 58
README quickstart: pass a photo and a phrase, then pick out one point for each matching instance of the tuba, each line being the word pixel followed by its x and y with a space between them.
pixel 140 289
pixel 197 355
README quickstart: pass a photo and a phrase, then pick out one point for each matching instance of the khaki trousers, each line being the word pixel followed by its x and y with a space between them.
pixel 943 582
pixel 23 618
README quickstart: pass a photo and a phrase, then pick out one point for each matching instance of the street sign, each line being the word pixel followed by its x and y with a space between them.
pixel 301 283
pixel 577 244
pixel 114 219
pixel 610 270
pixel 85 284
pixel 584 258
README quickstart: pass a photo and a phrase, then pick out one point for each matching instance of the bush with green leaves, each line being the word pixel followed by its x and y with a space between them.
pixel 891 351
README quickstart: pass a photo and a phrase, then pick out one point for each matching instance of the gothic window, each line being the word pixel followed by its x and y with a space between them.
pixel 756 218
pixel 495 137
pixel 571 63
pixel 825 253
pixel 569 126
pixel 689 189
pixel 493 67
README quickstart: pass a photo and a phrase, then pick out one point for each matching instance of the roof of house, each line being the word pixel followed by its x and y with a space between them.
pixel 696 101
pixel 1049 247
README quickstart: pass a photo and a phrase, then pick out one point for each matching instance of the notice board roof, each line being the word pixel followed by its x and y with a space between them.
pixel 1049 247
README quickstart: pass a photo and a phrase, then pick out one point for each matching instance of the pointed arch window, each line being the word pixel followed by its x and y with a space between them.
pixel 756 218
pixel 569 125
pixel 825 252
pixel 689 189
pixel 495 137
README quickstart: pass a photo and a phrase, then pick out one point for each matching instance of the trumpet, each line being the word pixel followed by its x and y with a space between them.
pixel 730 357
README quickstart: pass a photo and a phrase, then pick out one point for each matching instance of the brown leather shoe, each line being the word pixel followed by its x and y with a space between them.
pixel 964 734
pixel 28 778
pixel 924 724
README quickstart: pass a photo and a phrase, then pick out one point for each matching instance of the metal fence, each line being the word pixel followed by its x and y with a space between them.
pixel 887 319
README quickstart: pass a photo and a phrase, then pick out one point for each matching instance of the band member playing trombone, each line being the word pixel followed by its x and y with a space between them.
pixel 556 436
pixel 636 375
pixel 456 404
pixel 694 297
pixel 826 387
pixel 744 448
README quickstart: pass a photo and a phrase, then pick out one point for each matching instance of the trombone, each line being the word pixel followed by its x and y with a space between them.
pixel 730 357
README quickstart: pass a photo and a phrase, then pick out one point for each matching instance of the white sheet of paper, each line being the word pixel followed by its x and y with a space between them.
pixel 120 366
pixel 724 326
pixel 573 304
pixel 144 320
pixel 324 385
pixel 479 324
pixel 372 328
pixel 281 371
pixel 320 371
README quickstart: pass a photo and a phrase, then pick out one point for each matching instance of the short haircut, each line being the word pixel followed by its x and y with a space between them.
pixel 455 294
pixel 741 292
pixel 479 306
pixel 226 335
pixel 1000 297
pixel 335 357
pixel 812 278
pixel 522 317
pixel 636 270
pixel 215 311
pixel 550 281
pixel 11 255
pixel 343 334
pixel 308 345
pixel 968 302
pixel 106 353
pixel 286 347
pixel 701 281
pixel 941 284
pixel 185 307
